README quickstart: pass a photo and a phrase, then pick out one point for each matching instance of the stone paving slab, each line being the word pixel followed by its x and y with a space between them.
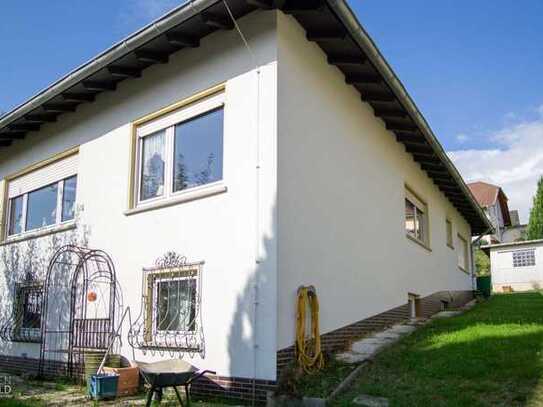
pixel 371 401
pixel 446 314
pixel 368 347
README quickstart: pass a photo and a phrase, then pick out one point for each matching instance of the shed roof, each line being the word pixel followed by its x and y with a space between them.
pixel 329 23
pixel 487 248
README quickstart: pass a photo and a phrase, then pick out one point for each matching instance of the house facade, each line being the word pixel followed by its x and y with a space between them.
pixel 516 266
pixel 494 202
pixel 218 183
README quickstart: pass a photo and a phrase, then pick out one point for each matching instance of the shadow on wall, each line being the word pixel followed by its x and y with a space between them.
pixel 251 328
pixel 28 261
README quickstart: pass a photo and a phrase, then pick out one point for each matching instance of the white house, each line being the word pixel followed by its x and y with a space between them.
pixel 494 203
pixel 271 153
pixel 516 266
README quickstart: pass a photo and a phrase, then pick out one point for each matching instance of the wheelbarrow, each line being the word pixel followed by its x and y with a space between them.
pixel 170 373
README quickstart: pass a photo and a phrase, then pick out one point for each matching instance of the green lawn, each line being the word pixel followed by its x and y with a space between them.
pixel 490 356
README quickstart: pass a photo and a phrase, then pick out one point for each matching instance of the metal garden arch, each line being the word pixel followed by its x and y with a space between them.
pixel 80 302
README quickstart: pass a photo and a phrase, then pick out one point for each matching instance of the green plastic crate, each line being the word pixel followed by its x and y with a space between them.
pixel 103 386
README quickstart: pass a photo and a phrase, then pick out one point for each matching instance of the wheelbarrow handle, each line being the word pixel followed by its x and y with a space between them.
pixel 196 377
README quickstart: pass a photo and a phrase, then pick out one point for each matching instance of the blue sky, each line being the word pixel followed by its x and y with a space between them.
pixel 474 68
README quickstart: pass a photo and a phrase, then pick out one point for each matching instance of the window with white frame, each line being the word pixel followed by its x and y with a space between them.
pixel 463 256
pixel 181 150
pixel 524 258
pixel 416 217
pixel 43 198
pixel 173 302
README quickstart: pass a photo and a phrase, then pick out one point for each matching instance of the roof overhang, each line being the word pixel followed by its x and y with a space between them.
pixel 329 23
pixel 514 245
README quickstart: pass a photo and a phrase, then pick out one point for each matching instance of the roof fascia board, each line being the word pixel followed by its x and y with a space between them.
pixel 115 52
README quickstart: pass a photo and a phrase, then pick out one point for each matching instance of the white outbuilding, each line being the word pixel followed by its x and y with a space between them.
pixel 516 266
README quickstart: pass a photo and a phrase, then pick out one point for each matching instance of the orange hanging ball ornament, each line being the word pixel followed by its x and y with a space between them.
pixel 91 296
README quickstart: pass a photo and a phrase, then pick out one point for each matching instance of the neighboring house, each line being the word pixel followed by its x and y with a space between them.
pixel 516 266
pixel 299 161
pixel 494 202
pixel 517 231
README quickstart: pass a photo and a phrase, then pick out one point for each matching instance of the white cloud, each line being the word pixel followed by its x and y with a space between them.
pixel 515 164
pixel 462 138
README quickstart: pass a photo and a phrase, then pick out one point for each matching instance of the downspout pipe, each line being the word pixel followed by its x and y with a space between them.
pixel 117 51
pixel 361 37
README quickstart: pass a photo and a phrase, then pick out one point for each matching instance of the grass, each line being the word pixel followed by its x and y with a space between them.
pixel 322 383
pixel 490 356
pixel 20 403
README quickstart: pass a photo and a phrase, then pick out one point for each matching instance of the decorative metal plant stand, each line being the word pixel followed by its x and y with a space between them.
pixel 80 302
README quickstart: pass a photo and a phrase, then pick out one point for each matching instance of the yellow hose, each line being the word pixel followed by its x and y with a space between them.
pixel 308 351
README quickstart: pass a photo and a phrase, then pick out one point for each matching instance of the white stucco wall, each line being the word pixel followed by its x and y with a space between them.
pixel 341 178
pixel 518 278
pixel 233 232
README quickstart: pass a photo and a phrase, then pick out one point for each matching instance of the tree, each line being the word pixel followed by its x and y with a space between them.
pixel 482 262
pixel 535 224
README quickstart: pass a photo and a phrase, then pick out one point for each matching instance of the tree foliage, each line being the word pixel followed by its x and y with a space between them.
pixel 482 261
pixel 535 224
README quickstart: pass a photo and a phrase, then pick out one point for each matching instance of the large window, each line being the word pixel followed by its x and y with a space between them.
pixel 181 150
pixel 416 218
pixel 463 256
pixel 43 196
pixel 50 205
pixel 524 258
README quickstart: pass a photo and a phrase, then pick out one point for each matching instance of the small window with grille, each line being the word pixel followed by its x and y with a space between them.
pixel 524 258
pixel 28 303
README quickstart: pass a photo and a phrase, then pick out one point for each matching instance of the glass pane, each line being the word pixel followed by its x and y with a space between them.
pixel 32 299
pixel 420 224
pixel 16 215
pixel 152 166
pixel 176 307
pixel 198 151
pixel 68 198
pixel 42 207
pixel 409 217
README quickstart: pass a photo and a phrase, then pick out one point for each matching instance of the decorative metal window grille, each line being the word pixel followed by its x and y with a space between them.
pixel 25 322
pixel 524 258
pixel 170 319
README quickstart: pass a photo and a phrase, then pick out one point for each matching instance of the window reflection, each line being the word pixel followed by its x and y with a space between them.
pixel 198 151
pixel 152 171
pixel 68 198
pixel 42 207
pixel 16 216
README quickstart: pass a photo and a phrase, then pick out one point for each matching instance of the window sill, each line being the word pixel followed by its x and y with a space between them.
pixel 420 243
pixel 39 233
pixel 450 246
pixel 187 196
